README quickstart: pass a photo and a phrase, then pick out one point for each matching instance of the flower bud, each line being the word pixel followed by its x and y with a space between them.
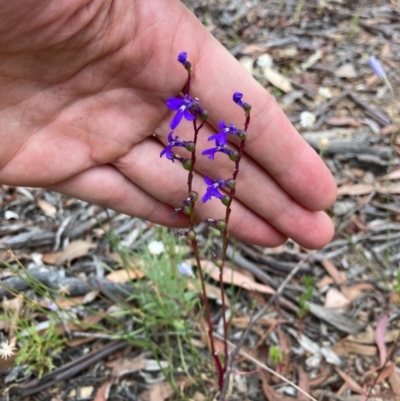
pixel 231 183
pixel 220 224
pixel 193 196
pixel 225 200
pixel 242 134
pixel 182 56
pixel 233 155
pixel 203 114
pixel 219 263
pixel 187 210
pixel 190 146
pixel 187 164
pixel 246 108
pixel 191 235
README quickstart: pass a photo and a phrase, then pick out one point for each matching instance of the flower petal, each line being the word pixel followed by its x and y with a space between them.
pixel 174 103
pixel 177 119
pixel 188 115
pixel 217 194
pixel 208 180
pixel 209 152
pixel 171 136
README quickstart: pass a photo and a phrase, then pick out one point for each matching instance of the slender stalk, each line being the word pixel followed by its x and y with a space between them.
pixel 225 242
pixel 218 366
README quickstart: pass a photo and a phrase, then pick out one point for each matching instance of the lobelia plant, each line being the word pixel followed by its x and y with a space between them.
pixel 189 109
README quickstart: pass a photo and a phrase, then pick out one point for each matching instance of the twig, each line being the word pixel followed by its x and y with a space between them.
pixel 252 322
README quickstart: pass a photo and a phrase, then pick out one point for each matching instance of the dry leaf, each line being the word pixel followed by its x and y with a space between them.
pixel 303 384
pixel 123 275
pixel 355 189
pixel 340 121
pixel 277 79
pixel 334 299
pixel 352 292
pixel 385 372
pixel 243 321
pixel 103 392
pixel 394 175
pixel 351 383
pixel 47 208
pixel 394 381
pixel 344 347
pixel 123 366
pixel 252 49
pixel 380 333
pixel 338 277
pixel 230 276
pixel 76 249
pixel 50 258
pixel 346 71
pixel 368 337
pixel 214 292
pixel 270 393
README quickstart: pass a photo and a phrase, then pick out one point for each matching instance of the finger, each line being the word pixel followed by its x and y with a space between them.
pixel 272 140
pixel 106 186
pixel 167 182
pixel 258 191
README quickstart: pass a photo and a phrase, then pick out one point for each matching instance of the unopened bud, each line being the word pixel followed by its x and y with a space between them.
pixel 246 108
pixel 225 200
pixel 219 263
pixel 193 196
pixel 233 155
pixel 187 210
pixel 190 146
pixel 242 134
pixel 187 164
pixel 191 235
pixel 203 114
pixel 220 224
pixel 231 183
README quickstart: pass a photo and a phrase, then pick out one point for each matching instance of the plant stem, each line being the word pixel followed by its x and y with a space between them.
pixel 218 366
pixel 225 241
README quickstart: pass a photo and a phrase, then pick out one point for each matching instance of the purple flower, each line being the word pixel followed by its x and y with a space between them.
pixel 171 143
pixel 212 189
pixel 377 67
pixel 182 56
pixel 237 98
pixel 211 152
pixel 52 306
pixel 182 106
pixel 185 269
pixel 221 138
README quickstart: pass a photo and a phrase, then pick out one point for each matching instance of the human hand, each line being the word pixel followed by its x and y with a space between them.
pixel 83 85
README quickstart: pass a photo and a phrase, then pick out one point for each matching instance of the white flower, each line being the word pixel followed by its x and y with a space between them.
pixel 6 349
pixel 64 289
pixel 156 247
pixel 307 119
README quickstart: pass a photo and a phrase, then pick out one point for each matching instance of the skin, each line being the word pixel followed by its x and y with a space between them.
pixel 83 85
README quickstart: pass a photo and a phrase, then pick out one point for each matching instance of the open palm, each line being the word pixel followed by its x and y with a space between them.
pixel 83 85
